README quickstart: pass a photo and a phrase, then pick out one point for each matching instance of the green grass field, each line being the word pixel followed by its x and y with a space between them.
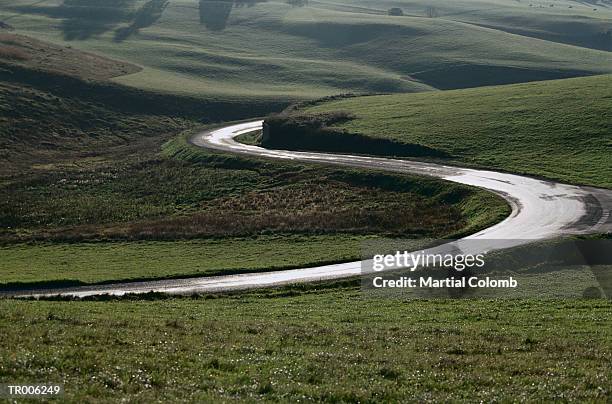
pixel 574 22
pixel 272 50
pixel 555 129
pixel 330 345
pixel 83 263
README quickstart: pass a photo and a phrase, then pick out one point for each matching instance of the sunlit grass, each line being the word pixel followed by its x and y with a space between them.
pixel 273 50
pixel 557 129
pixel 312 344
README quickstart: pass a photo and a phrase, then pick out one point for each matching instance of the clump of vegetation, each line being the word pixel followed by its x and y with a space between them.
pixel 306 122
pixel 316 132
pixel 146 16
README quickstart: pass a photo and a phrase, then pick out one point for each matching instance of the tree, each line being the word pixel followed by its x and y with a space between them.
pixel 431 12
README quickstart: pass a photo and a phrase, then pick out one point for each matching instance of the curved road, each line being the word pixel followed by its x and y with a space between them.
pixel 540 210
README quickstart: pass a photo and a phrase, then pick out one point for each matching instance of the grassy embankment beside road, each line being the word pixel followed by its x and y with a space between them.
pixel 332 345
pixel 82 174
pixel 560 130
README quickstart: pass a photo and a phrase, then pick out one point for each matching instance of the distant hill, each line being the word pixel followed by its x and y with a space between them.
pixel 248 50
pixel 585 23
pixel 57 104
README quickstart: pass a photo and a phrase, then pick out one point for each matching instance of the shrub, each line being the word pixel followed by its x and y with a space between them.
pixel 313 132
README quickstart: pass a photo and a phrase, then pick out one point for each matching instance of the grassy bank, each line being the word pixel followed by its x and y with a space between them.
pixel 85 263
pixel 333 346
pixel 491 208
pixel 191 193
pixel 557 129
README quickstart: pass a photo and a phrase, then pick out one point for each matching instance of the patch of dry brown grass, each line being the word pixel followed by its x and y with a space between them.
pixel 14 53
pixel 36 54
pixel 300 208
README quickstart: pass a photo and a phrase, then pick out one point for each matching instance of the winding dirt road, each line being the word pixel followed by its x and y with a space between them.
pixel 540 210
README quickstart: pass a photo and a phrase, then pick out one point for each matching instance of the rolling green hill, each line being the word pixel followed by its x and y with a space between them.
pixel 557 129
pixel 271 49
pixel 574 22
pixel 57 103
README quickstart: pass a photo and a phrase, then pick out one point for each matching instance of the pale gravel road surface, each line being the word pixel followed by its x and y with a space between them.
pixel 540 210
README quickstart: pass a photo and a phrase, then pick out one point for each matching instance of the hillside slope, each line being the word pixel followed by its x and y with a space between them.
pixel 214 49
pixel 57 103
pixel 575 22
pixel 558 129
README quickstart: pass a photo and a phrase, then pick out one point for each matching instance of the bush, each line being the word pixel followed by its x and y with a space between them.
pixel 313 132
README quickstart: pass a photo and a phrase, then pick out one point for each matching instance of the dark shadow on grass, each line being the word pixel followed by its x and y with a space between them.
pixel 214 14
pixel 146 16
pixel 11 289
pixel 5 26
pixel 83 19
pixel 468 76
pixel 89 18
pixel 291 290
